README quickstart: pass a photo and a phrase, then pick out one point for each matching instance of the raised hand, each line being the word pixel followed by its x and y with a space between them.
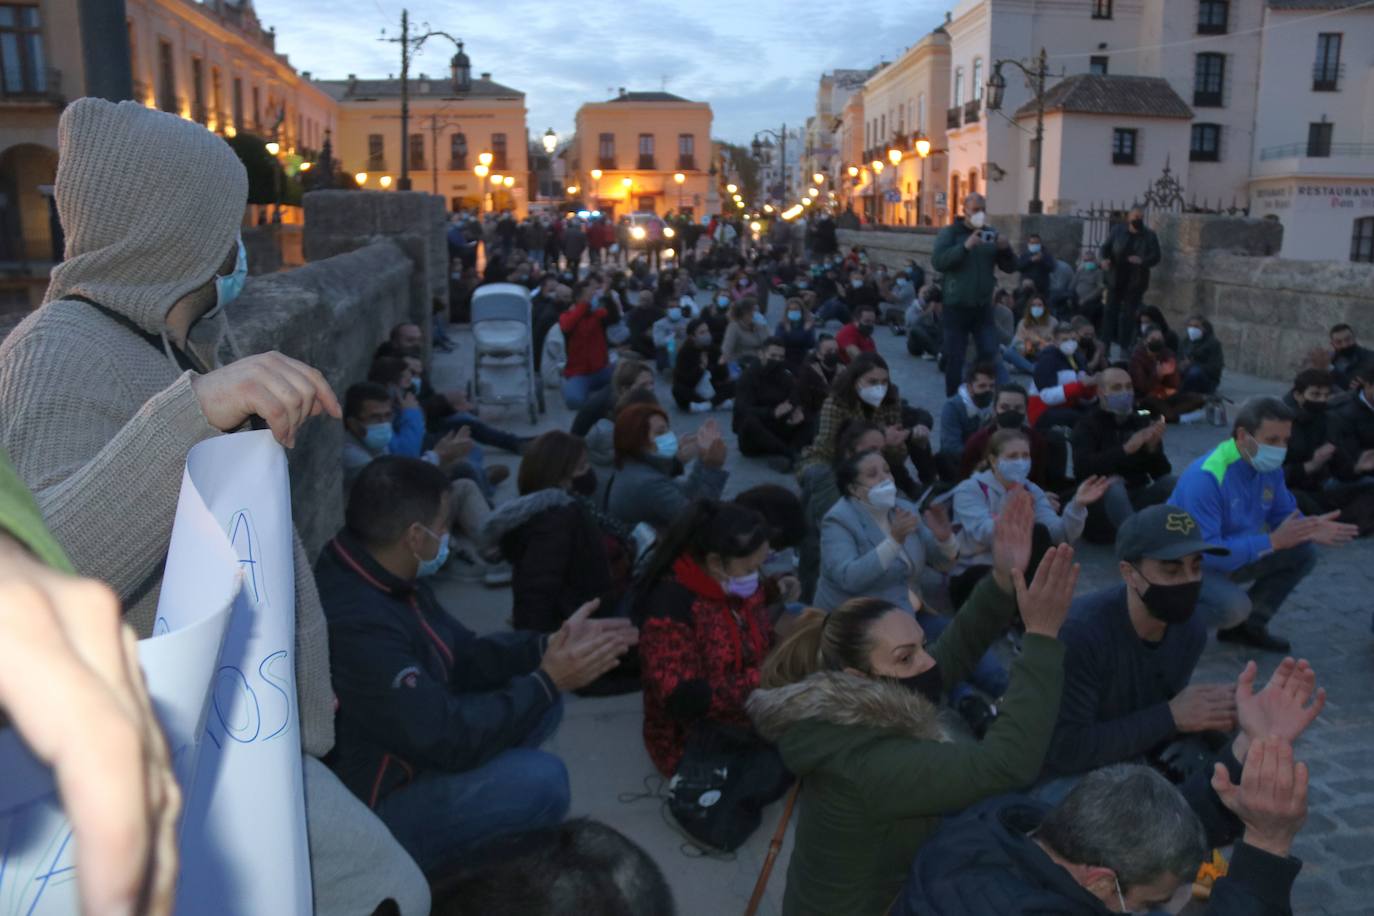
pixel 1091 490
pixel 583 649
pixel 1045 603
pixel 1289 702
pixel 1204 708
pixel 1011 538
pixel 903 524
pixel 1271 800
pixel 283 391
pixel 453 447
pixel 71 684
pixel 894 436
pixel 937 520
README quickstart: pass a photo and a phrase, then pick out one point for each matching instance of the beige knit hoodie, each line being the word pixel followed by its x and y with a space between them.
pixel 97 420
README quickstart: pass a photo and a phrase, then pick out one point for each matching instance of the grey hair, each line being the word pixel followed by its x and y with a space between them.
pixel 1255 411
pixel 1130 819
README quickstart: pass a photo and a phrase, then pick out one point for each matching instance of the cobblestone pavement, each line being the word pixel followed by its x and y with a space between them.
pixel 1327 619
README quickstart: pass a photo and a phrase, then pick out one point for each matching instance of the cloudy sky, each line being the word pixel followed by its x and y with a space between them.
pixel 755 61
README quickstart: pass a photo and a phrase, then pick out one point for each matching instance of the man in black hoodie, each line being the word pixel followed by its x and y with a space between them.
pixel 1313 461
pixel 766 420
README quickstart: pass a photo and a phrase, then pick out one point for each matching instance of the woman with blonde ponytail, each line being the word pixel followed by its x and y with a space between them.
pixel 850 700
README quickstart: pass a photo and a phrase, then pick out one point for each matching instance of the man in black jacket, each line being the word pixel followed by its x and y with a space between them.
pixel 1117 441
pixel 1036 265
pixel 1127 256
pixel 438 728
pixel 1310 468
pixel 766 420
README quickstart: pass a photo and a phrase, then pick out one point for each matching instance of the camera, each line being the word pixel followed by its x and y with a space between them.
pixel 988 234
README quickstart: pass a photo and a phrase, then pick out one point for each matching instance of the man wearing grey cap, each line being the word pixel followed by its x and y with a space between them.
pixel 1130 651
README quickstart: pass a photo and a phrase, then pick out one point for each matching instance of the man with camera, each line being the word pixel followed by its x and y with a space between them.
pixel 966 251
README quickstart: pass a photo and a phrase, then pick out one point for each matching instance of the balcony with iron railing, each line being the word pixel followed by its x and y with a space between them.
pixel 1316 159
pixel 954 117
pixel 686 162
pixel 605 162
pixel 32 84
pixel 971 111
pixel 376 163
pixel 1207 98
pixel 645 163
pixel 1326 77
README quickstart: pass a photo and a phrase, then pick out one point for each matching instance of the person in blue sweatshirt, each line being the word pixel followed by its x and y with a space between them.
pixel 1238 496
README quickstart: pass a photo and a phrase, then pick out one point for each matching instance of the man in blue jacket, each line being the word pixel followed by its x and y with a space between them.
pixel 438 728
pixel 1239 498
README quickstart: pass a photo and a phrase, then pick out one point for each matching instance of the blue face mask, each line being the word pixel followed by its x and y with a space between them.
pixel 430 567
pixel 1015 470
pixel 674 314
pixel 1120 403
pixel 1268 457
pixel 722 301
pixel 378 437
pixel 1090 265
pixel 227 288
pixel 794 316
pixel 415 384
pixel 666 444
pixel 1033 248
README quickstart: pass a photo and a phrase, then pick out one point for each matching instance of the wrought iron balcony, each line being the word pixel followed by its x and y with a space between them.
pixel 954 117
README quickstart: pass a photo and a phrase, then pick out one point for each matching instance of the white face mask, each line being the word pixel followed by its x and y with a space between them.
pixel 1068 347
pixel 873 395
pixel 978 219
pixel 882 495
pixel 1194 334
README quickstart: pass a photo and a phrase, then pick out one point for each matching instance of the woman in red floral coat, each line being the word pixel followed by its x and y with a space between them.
pixel 706 629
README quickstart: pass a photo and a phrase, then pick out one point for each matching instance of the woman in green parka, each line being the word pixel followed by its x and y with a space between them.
pixel 851 698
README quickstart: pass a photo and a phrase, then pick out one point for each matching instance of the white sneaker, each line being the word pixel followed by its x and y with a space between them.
pixel 701 407
pixel 1194 416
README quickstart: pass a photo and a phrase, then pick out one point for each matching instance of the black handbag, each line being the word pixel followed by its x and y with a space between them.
pixel 726 777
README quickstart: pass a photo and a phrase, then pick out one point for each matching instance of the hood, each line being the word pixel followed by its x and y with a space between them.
pixel 512 516
pixel 150 205
pixel 839 698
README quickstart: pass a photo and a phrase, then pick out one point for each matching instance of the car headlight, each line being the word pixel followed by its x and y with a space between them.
pixel 636 232
pixel 668 232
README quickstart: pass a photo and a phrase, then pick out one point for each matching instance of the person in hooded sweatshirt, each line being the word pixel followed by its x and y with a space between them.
pixel 153 261
pixel 962 415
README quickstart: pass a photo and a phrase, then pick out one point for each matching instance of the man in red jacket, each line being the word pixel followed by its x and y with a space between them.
pixel 588 366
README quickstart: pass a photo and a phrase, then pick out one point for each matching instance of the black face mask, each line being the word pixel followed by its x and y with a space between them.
pixel 1137 224
pixel 1317 407
pixel 928 684
pixel 981 400
pixel 866 330
pixel 585 484
pixel 830 360
pixel 1012 419
pixel 1155 346
pixel 1171 603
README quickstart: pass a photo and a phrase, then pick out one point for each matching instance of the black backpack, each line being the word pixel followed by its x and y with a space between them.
pixel 726 777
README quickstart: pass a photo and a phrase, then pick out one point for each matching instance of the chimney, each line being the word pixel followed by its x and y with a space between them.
pixel 622 92
pixel 305 74
pixel 486 76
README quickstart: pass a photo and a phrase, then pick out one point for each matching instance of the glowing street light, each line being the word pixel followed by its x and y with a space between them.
pixel 814 192
pixel 877 166
pixel 385 181
pixel 495 178
pixel 596 174
pixel 767 208
pixel 740 204
pixel 484 159
pixel 818 177
pixel 572 189
pixel 550 140
pixel 853 171
pixel 481 171
pixel 755 226
pixel 923 147
pixel 307 166
pixel 508 181
pixel 272 147
pixel 360 178
pixel 679 177
pixel 894 156
pixel 731 187
pixel 627 182
pixel 806 201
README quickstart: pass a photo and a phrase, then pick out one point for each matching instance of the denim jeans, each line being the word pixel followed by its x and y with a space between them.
pixel 1226 604
pixel 440 817
pixel 1198 381
pixel 1018 362
pixel 960 322
pixel 833 310
pixel 577 388
pixel 482 432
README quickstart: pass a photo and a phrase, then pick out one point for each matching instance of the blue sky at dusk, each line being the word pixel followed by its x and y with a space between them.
pixel 757 63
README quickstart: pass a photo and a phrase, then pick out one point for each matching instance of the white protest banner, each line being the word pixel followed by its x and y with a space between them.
pixel 244 848
pixel 220 666
pixel 37 856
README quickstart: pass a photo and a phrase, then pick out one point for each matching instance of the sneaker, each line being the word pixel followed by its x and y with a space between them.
pixel 497 575
pixel 496 474
pixel 930 356
pixel 1193 416
pixel 727 405
pixel 701 407
pixel 1256 636
pixel 978 713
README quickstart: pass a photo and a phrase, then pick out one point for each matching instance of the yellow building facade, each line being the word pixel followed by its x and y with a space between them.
pixel 628 153
pixel 468 141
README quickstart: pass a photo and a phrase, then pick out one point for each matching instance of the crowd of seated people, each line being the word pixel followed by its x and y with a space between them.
pixel 810 636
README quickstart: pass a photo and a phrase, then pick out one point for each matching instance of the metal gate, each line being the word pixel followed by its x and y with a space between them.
pixel 1163 195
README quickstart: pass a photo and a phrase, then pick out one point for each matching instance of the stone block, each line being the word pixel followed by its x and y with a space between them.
pixel 263 245
pixel 1062 236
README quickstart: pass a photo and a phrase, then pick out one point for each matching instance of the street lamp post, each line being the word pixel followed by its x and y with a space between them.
pixel 877 165
pixel 409 47
pixel 550 141
pixel 922 150
pixel 1035 79
pixel 894 155
pixel 781 136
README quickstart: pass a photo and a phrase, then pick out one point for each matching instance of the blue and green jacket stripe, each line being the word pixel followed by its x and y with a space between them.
pixel 1235 505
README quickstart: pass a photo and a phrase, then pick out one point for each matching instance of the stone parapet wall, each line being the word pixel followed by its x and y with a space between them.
pixel 330 314
pixel 1062 236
